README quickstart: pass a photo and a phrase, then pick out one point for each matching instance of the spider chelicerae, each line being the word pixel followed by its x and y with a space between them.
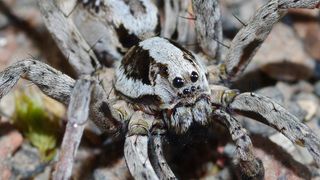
pixel 158 85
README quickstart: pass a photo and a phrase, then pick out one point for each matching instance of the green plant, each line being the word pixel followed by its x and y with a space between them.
pixel 37 124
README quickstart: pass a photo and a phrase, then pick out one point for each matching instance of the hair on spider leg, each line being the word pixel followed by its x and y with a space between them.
pixel 219 42
pixel 31 56
pixel 91 48
pixel 222 44
pixel 73 9
pixel 109 93
pixel 244 24
pixel 188 18
pixel 95 43
pixel 193 44
pixel 193 17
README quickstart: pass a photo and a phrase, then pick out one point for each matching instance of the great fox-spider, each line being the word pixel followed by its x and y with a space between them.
pixel 159 86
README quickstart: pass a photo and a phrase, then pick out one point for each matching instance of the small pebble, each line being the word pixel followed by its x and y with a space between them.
pixel 26 162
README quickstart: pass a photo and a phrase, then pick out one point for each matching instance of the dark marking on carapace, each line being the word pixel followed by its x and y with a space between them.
pixel 136 64
pixel 187 55
pixel 158 69
pixel 163 70
pixel 126 39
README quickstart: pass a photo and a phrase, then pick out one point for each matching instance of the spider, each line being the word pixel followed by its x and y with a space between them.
pixel 158 86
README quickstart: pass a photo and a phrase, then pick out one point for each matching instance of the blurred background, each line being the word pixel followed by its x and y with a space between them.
pixel 286 68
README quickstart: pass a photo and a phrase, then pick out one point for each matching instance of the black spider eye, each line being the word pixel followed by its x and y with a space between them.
pixel 178 82
pixel 194 76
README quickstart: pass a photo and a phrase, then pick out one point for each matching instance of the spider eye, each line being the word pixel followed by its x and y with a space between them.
pixel 194 76
pixel 178 82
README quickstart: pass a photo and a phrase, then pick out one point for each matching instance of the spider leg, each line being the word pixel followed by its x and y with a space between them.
pixel 78 112
pixel 208 27
pixel 158 160
pixel 136 155
pixel 272 114
pixel 248 40
pixel 178 28
pixel 136 146
pixel 250 166
pixel 52 82
pixel 71 43
pixel 58 86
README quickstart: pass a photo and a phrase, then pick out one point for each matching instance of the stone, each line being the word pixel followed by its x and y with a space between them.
pixel 307 102
pixel 282 56
pixel 233 9
pixel 119 170
pixel 276 169
pixel 310 34
pixel 10 141
pixel 26 163
pixel 306 24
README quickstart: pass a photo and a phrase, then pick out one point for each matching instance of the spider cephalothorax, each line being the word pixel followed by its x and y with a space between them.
pixel 171 77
